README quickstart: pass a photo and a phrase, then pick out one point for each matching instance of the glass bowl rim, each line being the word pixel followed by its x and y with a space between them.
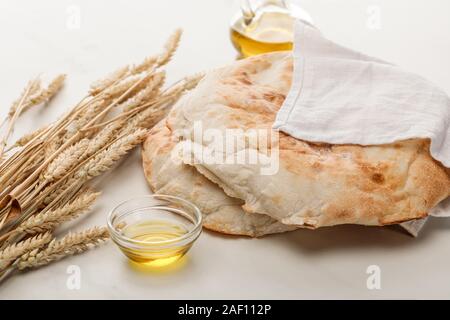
pixel 196 229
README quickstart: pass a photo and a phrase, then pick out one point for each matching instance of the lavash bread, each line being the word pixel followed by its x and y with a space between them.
pixel 316 184
pixel 168 175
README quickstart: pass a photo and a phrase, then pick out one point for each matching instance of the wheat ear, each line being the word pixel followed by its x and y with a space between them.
pixel 31 88
pixel 89 113
pixel 147 93
pixel 105 159
pixel 27 138
pixel 170 48
pixel 67 159
pixel 16 250
pixel 151 114
pixel 102 161
pixel 71 244
pixel 48 93
pixel 124 84
pixel 145 65
pixel 15 111
pixel 50 220
pixel 100 85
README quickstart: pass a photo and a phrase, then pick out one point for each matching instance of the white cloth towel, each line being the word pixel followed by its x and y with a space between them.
pixel 342 96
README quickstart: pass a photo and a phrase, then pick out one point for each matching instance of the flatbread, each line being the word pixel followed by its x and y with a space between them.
pixel 316 184
pixel 168 175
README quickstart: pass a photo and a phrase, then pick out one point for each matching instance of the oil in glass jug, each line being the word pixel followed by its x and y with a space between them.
pixel 264 26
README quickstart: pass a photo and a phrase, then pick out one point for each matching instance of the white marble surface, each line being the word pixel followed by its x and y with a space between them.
pixel 328 263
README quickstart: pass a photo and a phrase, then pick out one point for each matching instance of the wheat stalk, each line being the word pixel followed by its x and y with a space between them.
pixel 31 96
pixel 89 113
pixel 50 220
pixel 98 163
pixel 50 145
pixel 44 182
pixel 92 167
pixel 31 88
pixel 145 65
pixel 22 141
pixel 73 243
pixel 28 166
pixel 14 112
pixel 54 129
pixel 66 160
pixel 147 93
pixel 170 48
pixel 149 116
pixel 46 94
pixel 150 112
pixel 100 85
pixel 103 137
pixel 54 191
pixel 124 84
pixel 106 158
pixel 20 189
pixel 16 250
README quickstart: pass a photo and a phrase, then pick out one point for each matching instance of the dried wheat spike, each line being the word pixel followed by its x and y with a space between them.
pixel 16 250
pixel 105 159
pixel 71 244
pixel 100 85
pixel 48 93
pixel 50 220
pixel 150 91
pixel 66 160
pixel 28 137
pixel 170 48
pixel 31 88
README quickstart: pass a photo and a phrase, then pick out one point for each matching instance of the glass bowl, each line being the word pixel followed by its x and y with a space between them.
pixel 155 230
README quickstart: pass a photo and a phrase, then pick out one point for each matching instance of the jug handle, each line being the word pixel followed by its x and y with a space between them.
pixel 247 11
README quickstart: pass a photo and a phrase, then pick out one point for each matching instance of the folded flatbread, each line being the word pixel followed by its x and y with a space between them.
pixel 167 174
pixel 314 185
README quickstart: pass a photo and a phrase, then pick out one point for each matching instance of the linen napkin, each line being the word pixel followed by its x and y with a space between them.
pixel 340 96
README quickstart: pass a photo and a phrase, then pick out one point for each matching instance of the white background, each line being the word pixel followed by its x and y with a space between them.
pixel 37 37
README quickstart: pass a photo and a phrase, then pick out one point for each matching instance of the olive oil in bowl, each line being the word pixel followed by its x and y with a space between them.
pixel 151 234
pixel 155 230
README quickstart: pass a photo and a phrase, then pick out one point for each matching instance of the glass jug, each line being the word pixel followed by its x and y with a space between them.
pixel 264 26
